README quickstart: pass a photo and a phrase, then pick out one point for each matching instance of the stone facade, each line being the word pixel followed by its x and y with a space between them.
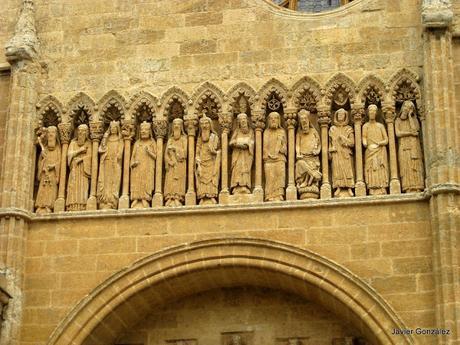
pixel 203 172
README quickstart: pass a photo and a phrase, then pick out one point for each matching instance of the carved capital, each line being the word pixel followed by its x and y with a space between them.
pixel 96 130
pixel 127 130
pixel 225 121
pixel 65 132
pixel 24 45
pixel 160 128
pixel 290 116
pixel 191 124
pixel 358 114
pixel 389 114
pixel 324 118
pixel 437 13
pixel 258 120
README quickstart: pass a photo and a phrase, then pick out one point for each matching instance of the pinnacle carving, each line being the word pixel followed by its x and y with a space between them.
pixel 24 45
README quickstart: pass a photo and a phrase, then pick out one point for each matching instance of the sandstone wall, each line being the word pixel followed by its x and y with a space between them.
pixel 387 245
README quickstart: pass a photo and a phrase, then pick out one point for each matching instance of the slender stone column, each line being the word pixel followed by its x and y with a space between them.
pixel 128 134
pixel 161 129
pixel 358 116
pixel 65 132
pixel 442 138
pixel 225 121
pixel 259 124
pixel 191 124
pixel 96 129
pixel 290 116
pixel 395 184
pixel 324 120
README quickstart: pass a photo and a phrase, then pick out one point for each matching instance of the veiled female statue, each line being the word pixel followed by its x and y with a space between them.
pixel 274 156
pixel 48 170
pixel 307 167
pixel 410 156
pixel 375 140
pixel 242 144
pixel 207 163
pixel 79 161
pixel 176 165
pixel 110 167
pixel 143 167
pixel 341 143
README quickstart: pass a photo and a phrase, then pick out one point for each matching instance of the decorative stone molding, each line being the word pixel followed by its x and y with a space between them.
pixel 437 14
pixel 25 44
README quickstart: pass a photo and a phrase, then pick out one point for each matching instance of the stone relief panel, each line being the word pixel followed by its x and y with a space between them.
pixel 243 146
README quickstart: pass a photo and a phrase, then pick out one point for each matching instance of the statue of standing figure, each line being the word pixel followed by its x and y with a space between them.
pixel 407 128
pixel 308 148
pixel 274 156
pixel 341 143
pixel 48 170
pixel 242 144
pixel 176 165
pixel 110 167
pixel 208 157
pixel 79 160
pixel 375 140
pixel 143 167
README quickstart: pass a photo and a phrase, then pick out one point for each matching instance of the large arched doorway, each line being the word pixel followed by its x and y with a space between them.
pixel 129 296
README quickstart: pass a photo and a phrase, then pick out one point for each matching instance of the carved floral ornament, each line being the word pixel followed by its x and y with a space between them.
pixel 233 147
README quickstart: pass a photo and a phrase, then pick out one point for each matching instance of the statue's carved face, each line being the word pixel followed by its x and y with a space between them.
pixel 243 123
pixel 274 121
pixel 372 112
pixel 304 122
pixel 51 138
pixel 341 115
pixel 145 132
pixel 406 110
pixel 205 126
pixel 82 134
pixel 176 128
pixel 113 128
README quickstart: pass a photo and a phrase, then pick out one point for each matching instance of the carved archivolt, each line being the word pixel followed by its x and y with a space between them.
pixel 240 140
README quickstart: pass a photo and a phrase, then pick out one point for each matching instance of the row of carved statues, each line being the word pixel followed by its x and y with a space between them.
pixel 270 162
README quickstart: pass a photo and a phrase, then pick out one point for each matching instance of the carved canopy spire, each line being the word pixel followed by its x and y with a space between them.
pixel 437 13
pixel 24 44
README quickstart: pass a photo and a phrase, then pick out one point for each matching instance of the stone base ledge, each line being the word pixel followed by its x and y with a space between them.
pixel 275 206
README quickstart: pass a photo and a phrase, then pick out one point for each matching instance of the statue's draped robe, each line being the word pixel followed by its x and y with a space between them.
pixel 176 168
pixel 342 156
pixel 143 174
pixel 48 179
pixel 208 170
pixel 110 167
pixel 242 159
pixel 376 159
pixel 79 175
pixel 410 154
pixel 308 146
pixel 274 154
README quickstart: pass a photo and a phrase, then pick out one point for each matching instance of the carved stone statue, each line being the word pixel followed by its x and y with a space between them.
pixel 79 160
pixel 375 140
pixel 208 157
pixel 236 339
pixel 242 144
pixel 341 143
pixel 307 168
pixel 410 155
pixel 143 167
pixel 274 156
pixel 110 167
pixel 176 165
pixel 48 170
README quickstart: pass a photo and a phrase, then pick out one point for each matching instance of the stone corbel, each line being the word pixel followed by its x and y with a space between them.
pixel 437 14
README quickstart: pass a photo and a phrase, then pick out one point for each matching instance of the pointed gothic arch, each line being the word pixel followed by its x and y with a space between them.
pixel 210 99
pixel 273 88
pixel 174 97
pixel 404 85
pixel 239 90
pixel 306 94
pixel 112 105
pixel 50 112
pixel 143 106
pixel 81 102
pixel 339 83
